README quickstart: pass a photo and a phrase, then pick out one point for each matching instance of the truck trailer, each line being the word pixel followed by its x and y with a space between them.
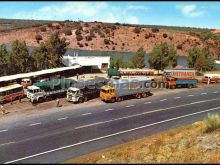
pixel 180 78
pixel 118 90
pixel 42 91
pixel 86 90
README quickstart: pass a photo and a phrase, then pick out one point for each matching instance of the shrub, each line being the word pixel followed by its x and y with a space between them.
pixel 38 37
pixel 123 44
pixel 86 44
pixel 137 30
pixel 43 29
pixel 78 32
pixel 170 37
pixel 106 41
pixel 113 48
pixel 79 37
pixel 155 30
pixel 49 25
pixel 68 32
pixel 102 35
pixel 57 26
pixel 113 27
pixel 212 122
pixel 107 30
pixel 117 23
pixel 164 35
pixel 86 24
pixel 88 38
pixel 179 46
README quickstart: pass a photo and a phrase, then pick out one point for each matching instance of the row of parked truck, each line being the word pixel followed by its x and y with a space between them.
pixel 109 90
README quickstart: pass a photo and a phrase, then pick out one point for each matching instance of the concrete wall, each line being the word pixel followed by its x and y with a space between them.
pixel 94 61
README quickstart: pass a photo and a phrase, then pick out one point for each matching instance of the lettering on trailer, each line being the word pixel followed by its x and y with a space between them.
pixel 183 74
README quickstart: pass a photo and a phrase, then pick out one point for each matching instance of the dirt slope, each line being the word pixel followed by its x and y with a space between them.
pixel 121 38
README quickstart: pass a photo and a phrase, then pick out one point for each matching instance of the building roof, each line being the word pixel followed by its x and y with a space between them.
pixel 9 87
pixel 37 73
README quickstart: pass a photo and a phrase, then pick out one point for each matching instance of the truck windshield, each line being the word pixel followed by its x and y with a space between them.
pixel 105 91
pixel 72 92
pixel 33 90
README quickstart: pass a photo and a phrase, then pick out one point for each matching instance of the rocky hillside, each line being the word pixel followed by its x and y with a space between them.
pixel 111 37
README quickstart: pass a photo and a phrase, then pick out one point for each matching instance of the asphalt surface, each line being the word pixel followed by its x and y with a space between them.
pixel 56 137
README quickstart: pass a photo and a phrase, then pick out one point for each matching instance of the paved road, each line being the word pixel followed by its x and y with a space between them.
pixel 56 137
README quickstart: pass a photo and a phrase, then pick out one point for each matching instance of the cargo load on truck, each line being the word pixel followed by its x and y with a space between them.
pixel 42 91
pixel 117 90
pixel 180 78
pixel 85 90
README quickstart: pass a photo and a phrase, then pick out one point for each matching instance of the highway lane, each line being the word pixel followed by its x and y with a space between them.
pixel 51 124
pixel 32 140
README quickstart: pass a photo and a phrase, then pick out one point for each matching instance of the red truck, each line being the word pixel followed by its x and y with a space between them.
pixel 180 78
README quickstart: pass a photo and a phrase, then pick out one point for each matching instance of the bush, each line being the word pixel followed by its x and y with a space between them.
pixel 88 38
pixel 38 37
pixel 68 32
pixel 78 32
pixel 171 38
pixel 79 37
pixel 86 44
pixel 164 35
pixel 113 27
pixel 106 41
pixel 212 123
pixel 117 23
pixel 179 46
pixel 57 26
pixel 113 48
pixel 49 25
pixel 43 29
pixel 107 30
pixel 86 24
pixel 102 35
pixel 155 30
pixel 137 30
pixel 123 44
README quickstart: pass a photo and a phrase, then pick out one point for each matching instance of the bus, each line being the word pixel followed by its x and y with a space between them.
pixel 11 92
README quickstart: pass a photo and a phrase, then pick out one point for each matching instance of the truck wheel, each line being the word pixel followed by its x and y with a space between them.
pixel 138 96
pixel 81 100
pixel 112 100
pixel 144 95
pixel 190 86
pixel 118 99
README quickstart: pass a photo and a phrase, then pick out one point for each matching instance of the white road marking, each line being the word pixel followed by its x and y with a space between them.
pixel 144 113
pixel 63 118
pixel 3 130
pixel 86 114
pixel 190 95
pixel 110 109
pixel 110 135
pixel 163 100
pixel 34 124
pixel 147 103
pixel 129 106
pixel 7 143
pixel 177 97
pixel 215 92
pixel 203 93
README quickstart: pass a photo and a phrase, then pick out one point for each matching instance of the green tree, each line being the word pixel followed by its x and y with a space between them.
pixel 3 60
pixel 162 56
pixel 138 58
pixel 56 48
pixel 116 62
pixel 193 56
pixel 40 57
pixel 21 55
pixel 201 59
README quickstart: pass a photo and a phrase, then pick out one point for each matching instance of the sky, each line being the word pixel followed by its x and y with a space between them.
pixel 174 13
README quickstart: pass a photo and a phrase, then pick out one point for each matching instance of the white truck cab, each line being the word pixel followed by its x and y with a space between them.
pixel 34 93
pixel 75 95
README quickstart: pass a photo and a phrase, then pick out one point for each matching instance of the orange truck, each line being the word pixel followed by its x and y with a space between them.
pixel 180 78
